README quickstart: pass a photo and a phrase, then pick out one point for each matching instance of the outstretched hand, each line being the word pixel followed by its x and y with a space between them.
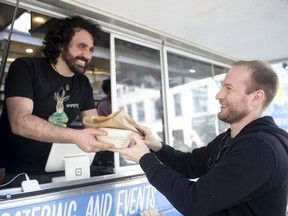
pixel 86 140
pixel 150 139
pixel 135 152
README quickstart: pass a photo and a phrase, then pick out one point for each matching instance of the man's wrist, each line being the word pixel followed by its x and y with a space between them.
pixel 158 147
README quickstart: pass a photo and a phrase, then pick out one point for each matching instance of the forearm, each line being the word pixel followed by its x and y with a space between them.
pixel 188 197
pixel 33 127
pixel 195 162
pixel 172 185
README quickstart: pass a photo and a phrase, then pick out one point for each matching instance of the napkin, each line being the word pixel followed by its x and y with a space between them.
pixel 118 120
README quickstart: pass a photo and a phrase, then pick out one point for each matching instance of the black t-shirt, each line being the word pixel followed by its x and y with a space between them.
pixel 56 99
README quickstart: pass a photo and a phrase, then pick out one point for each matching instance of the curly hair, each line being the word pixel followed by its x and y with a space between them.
pixel 62 31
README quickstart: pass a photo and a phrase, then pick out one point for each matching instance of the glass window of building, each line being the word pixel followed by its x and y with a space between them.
pixel 279 107
pixel 200 97
pixel 177 104
pixel 158 109
pixel 140 112
pixel 193 84
pixel 138 78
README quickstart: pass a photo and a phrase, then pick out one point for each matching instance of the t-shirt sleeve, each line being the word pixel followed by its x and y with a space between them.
pixel 88 95
pixel 19 80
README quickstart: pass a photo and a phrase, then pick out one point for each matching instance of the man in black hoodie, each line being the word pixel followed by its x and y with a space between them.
pixel 243 171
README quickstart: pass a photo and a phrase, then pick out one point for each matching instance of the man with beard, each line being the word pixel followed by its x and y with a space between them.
pixel 42 98
pixel 243 171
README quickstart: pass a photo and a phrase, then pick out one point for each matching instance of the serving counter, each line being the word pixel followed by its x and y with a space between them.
pixel 107 195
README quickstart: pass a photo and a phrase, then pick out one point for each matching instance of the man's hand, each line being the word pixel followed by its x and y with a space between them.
pixel 149 139
pixel 135 152
pixel 86 139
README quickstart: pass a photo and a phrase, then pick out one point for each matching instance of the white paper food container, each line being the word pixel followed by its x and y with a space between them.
pixel 120 138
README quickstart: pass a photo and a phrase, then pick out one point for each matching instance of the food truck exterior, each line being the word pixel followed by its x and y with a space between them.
pixel 133 196
pixel 158 80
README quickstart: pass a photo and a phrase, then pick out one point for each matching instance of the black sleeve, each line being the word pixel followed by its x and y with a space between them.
pixel 237 178
pixel 195 161
pixel 19 80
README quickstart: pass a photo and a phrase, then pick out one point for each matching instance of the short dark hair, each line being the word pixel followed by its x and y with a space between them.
pixel 62 31
pixel 263 77
pixel 106 86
